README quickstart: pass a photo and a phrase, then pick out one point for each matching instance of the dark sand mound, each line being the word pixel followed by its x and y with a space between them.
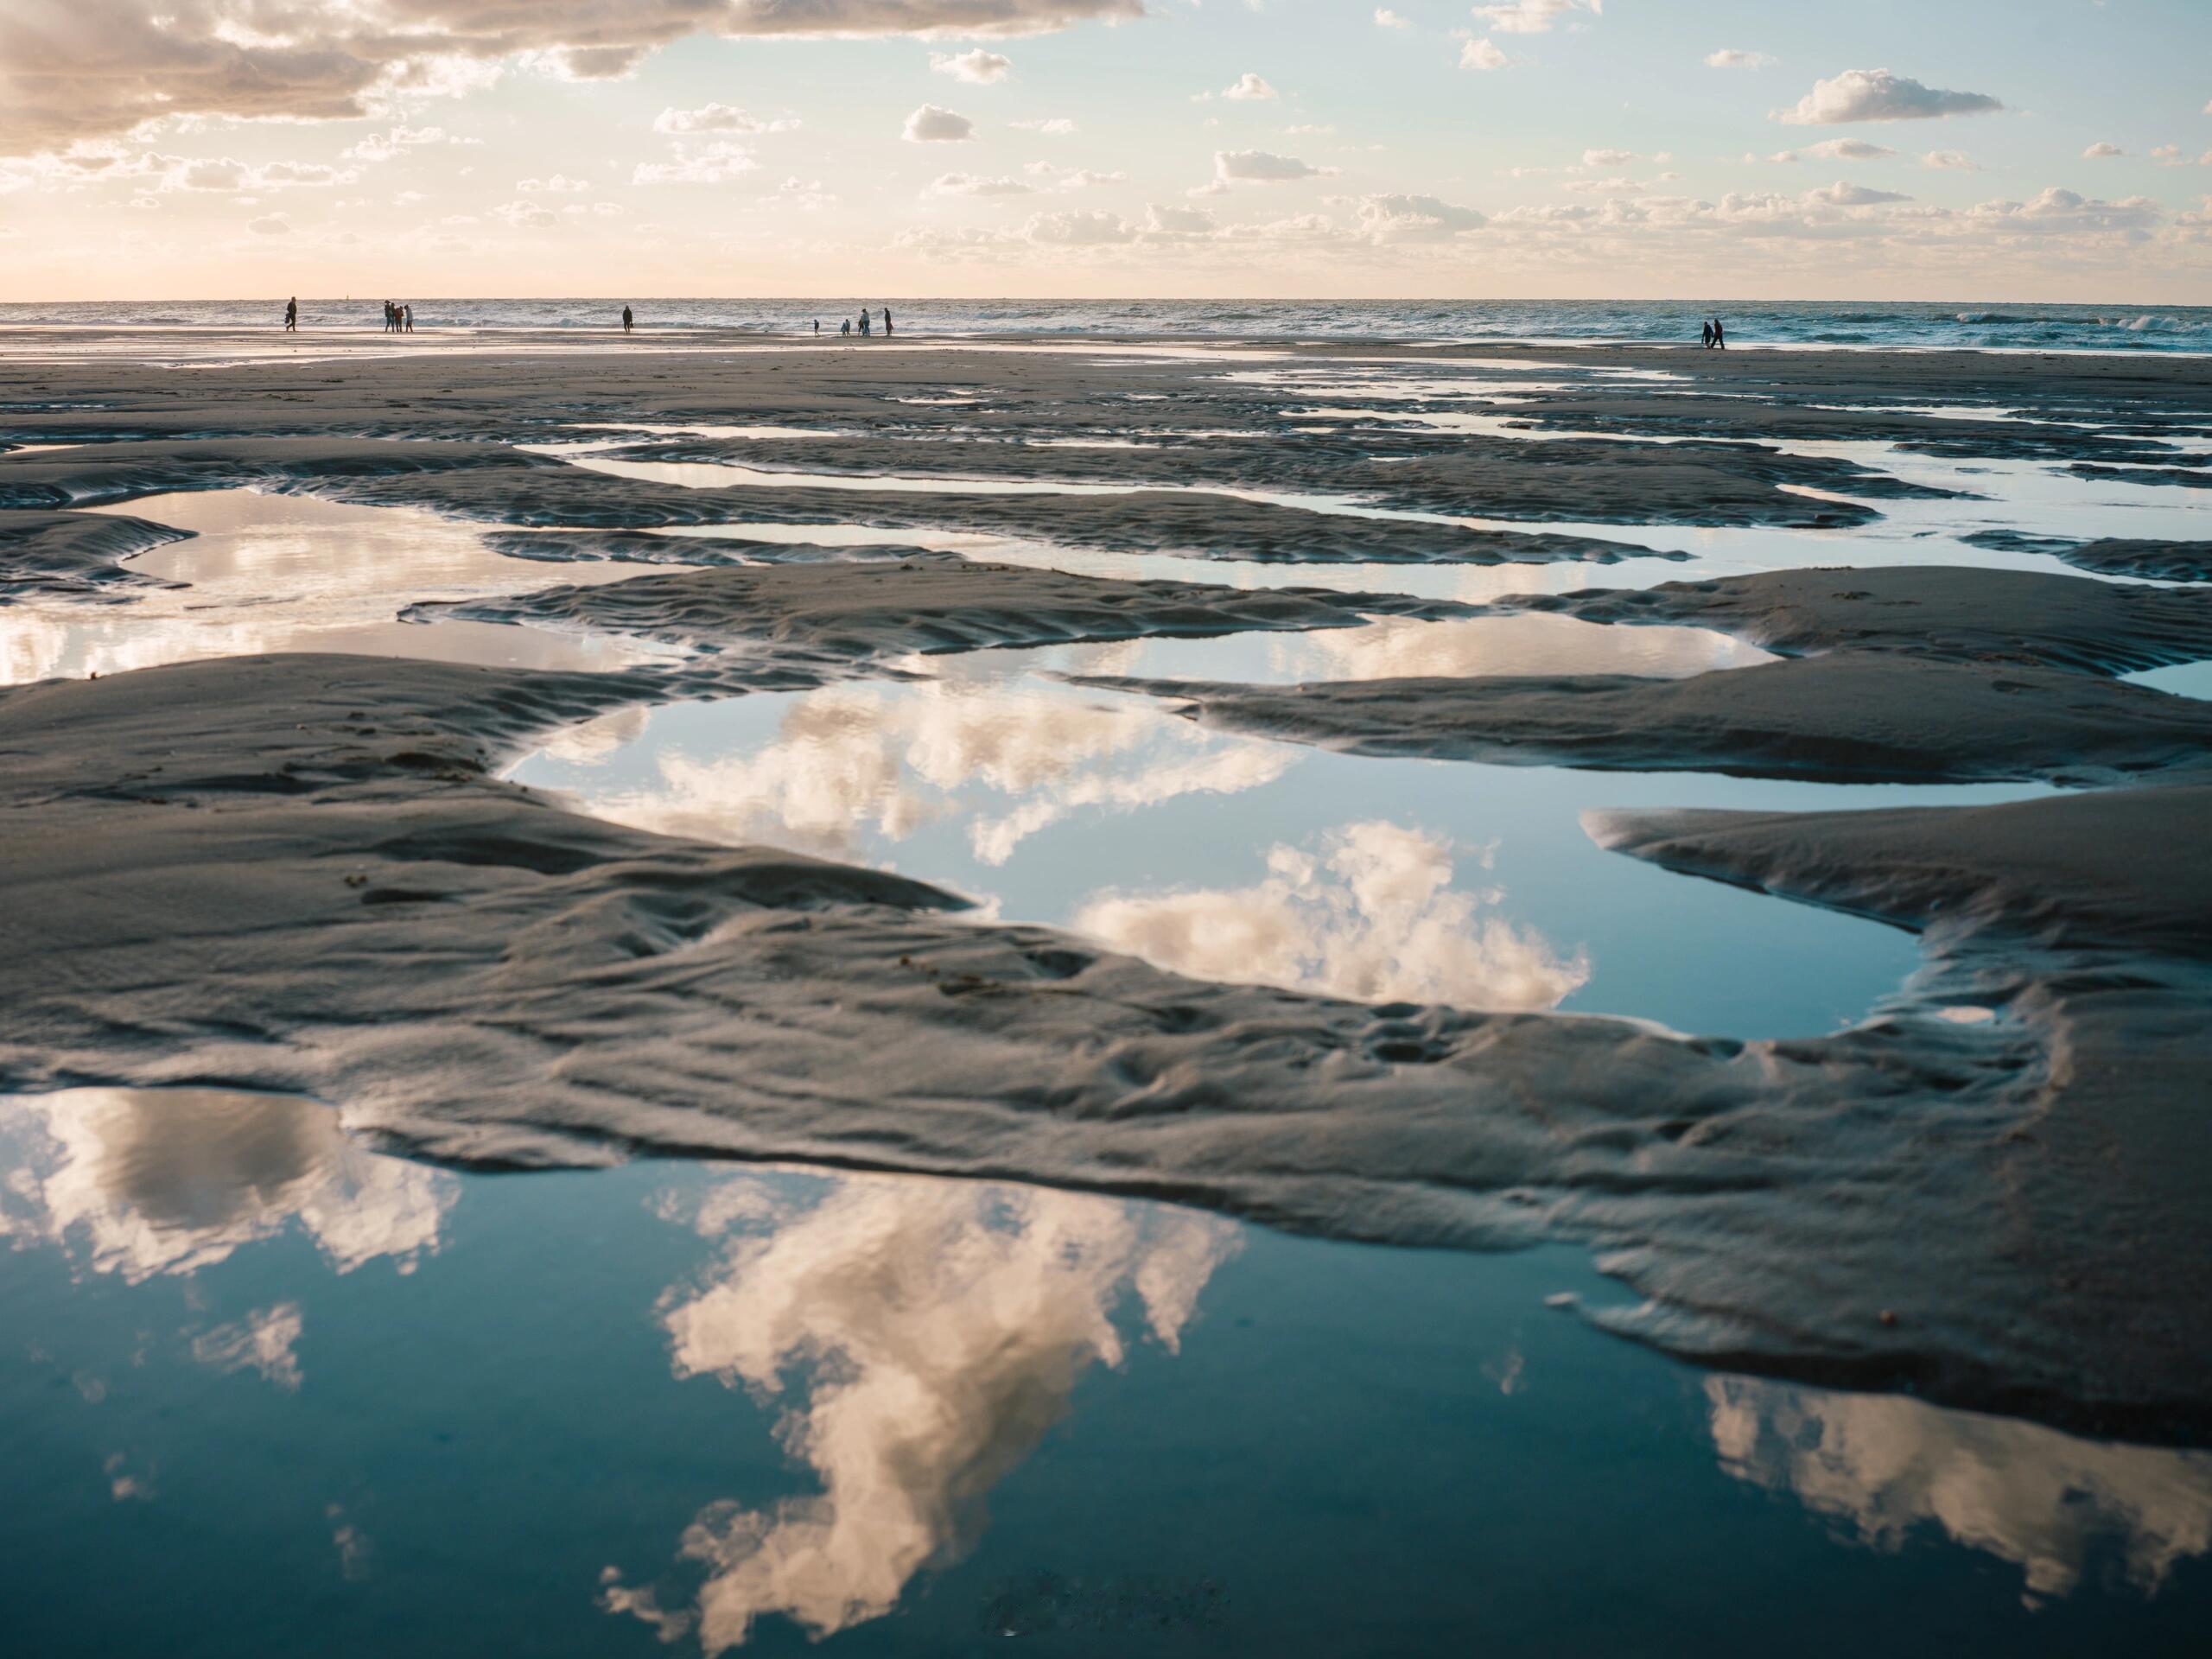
pixel 1846 717
pixel 297 872
pixel 1602 481
pixel 651 547
pixel 2112 556
pixel 2089 918
pixel 120 472
pixel 1142 521
pixel 73 554
pixel 493 483
pixel 1772 419
pixel 2196 475
pixel 1955 612
pixel 929 604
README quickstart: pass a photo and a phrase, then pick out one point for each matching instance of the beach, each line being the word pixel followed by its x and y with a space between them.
pixel 1690 862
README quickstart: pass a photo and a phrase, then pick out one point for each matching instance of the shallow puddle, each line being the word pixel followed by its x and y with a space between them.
pixel 1236 858
pixel 309 1398
pixel 267 572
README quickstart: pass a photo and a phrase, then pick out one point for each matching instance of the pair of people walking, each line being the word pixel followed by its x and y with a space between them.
pixel 1716 337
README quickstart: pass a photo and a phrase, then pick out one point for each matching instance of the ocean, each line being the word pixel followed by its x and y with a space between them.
pixel 2114 327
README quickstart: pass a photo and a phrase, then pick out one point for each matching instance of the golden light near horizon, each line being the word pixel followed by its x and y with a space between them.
pixel 1095 148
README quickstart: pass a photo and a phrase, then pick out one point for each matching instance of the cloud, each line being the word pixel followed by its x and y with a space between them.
pixel 1080 228
pixel 2098 152
pixel 1482 55
pixel 715 162
pixel 397 141
pixel 1177 222
pixel 932 126
pixel 2065 211
pixel 1729 57
pixel 1084 177
pixel 1840 194
pixel 1401 218
pixel 270 225
pixel 1533 17
pixel 1849 150
pixel 1370 914
pixel 1955 161
pixel 1885 1465
pixel 527 215
pixel 978 69
pixel 718 118
pixel 968 184
pixel 1058 126
pixel 1261 167
pixel 1250 88
pixel 82 69
pixel 140 1182
pixel 559 185
pixel 1385 18
pixel 934 1331
pixel 263 1341
pixel 1878 95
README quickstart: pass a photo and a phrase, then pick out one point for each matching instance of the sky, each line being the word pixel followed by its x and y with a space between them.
pixel 1936 150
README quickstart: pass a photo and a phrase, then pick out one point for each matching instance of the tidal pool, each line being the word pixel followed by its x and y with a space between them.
pixel 287 1395
pixel 1229 857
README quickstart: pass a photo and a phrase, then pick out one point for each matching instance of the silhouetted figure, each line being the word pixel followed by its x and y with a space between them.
pixel 887 323
pixel 1705 335
pixel 407 317
pixel 1719 336
pixel 292 314
pixel 863 324
pixel 628 321
pixel 845 329
pixel 817 327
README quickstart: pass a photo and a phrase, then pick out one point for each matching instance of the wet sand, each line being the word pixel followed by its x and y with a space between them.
pixel 304 873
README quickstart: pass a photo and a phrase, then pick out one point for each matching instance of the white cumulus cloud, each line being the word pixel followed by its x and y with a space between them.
pixel 1482 55
pixel 1534 16
pixel 978 69
pixel 1248 88
pixel 1729 57
pixel 1261 167
pixel 932 126
pixel 1878 95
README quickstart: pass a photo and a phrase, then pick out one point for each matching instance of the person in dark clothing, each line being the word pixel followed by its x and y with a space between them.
pixel 292 314
pixel 887 323
pixel 1705 334
pixel 1719 336
pixel 627 320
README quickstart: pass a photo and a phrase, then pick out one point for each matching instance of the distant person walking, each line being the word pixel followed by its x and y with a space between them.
pixel 817 327
pixel 1719 336
pixel 845 329
pixel 863 322
pixel 1705 334
pixel 887 323
pixel 628 321
pixel 407 313
pixel 292 314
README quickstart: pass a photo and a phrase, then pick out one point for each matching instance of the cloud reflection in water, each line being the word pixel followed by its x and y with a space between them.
pixel 1884 1465
pixel 941 1327
pixel 138 1182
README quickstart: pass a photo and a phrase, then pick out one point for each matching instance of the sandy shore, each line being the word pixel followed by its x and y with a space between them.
pixel 305 873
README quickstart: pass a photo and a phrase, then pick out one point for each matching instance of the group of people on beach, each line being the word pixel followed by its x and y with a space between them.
pixel 399 319
pixel 846 329
pixel 1716 337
